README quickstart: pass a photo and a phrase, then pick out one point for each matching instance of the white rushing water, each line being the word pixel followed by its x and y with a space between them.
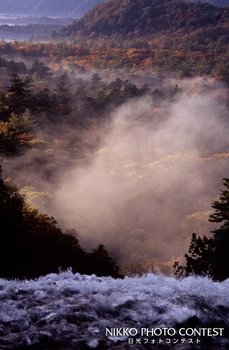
pixel 71 311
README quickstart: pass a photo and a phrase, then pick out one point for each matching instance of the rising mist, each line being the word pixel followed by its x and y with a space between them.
pixel 152 180
pixel 143 180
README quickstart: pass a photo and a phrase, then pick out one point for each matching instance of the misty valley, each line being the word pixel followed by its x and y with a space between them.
pixel 114 185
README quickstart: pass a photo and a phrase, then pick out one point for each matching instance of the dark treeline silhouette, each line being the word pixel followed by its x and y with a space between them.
pixel 63 100
pixel 31 244
pixel 30 102
pixel 210 256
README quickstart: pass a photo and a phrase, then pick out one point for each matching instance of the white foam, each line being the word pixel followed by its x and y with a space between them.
pixel 74 308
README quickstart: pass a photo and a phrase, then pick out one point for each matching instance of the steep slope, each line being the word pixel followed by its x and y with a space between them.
pixel 139 18
pixel 59 8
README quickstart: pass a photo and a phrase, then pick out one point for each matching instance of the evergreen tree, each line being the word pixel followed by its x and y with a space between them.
pixel 63 97
pixel 102 263
pixel 210 256
pixel 40 70
pixel 19 96
pixel 96 80
pixel 198 259
pixel 220 263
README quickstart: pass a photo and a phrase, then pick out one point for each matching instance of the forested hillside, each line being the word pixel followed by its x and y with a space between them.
pixel 146 18
pixel 113 145
pixel 134 91
pixel 167 35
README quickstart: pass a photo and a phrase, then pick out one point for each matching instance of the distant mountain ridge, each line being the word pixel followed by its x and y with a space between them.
pixel 143 18
pixel 52 8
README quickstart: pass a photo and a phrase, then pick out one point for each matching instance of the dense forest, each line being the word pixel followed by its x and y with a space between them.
pixel 39 107
pixel 160 35
pixel 33 99
pixel 147 18
pixel 113 150
pixel 165 37
pixel 133 96
pixel 26 105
